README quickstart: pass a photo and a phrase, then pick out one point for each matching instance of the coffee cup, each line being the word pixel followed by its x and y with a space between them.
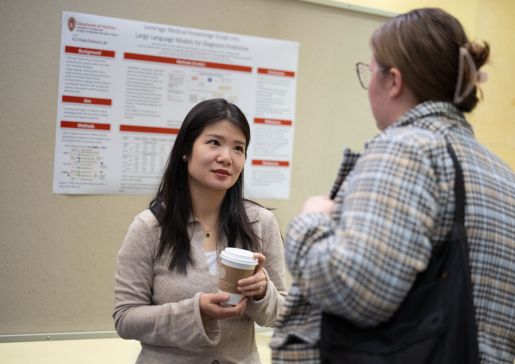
pixel 235 264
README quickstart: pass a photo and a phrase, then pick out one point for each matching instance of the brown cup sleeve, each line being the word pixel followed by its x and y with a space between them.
pixel 229 277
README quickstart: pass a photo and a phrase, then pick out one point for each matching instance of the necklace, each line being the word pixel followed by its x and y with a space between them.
pixel 207 233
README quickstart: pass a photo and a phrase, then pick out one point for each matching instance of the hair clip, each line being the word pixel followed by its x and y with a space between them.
pixel 482 77
pixel 475 76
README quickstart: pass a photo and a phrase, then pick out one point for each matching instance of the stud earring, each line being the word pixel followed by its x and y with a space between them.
pixel 184 158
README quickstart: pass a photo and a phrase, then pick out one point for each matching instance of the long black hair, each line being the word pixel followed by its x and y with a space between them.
pixel 172 202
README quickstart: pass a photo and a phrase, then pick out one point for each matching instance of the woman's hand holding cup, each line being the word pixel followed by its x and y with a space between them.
pixel 255 286
pixel 210 306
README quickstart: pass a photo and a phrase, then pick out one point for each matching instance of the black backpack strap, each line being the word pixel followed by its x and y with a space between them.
pixel 459 189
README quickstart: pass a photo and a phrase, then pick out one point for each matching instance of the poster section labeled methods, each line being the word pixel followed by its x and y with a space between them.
pixel 125 86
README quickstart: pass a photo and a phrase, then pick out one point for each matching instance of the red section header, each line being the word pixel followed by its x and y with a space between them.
pixel 86 100
pixel 82 125
pixel 148 129
pixel 186 62
pixel 259 162
pixel 89 51
pixel 273 121
pixel 268 71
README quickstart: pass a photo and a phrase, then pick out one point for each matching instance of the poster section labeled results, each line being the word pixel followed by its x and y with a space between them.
pixel 125 86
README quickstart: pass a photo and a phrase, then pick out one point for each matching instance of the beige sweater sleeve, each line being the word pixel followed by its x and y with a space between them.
pixel 136 317
pixel 265 311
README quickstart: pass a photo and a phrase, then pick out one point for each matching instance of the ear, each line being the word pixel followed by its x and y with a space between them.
pixel 397 82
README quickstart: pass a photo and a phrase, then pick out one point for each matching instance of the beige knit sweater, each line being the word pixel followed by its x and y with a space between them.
pixel 161 308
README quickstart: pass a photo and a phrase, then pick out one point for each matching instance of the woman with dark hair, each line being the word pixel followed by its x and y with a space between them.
pixel 166 293
pixel 358 257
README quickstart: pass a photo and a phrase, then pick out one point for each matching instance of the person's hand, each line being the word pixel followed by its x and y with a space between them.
pixel 318 204
pixel 210 306
pixel 255 285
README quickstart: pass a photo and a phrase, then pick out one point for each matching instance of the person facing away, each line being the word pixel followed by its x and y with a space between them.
pixel 358 255
pixel 166 293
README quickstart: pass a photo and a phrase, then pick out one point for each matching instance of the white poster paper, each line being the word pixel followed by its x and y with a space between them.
pixel 125 86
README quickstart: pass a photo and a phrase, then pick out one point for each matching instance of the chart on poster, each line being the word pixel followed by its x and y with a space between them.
pixel 125 86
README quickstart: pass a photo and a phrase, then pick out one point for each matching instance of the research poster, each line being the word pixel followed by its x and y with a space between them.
pixel 125 86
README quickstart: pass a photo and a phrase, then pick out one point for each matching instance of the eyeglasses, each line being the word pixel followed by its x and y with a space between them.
pixel 364 74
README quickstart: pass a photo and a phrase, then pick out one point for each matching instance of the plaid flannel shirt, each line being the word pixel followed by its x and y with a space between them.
pixel 297 330
pixel 392 208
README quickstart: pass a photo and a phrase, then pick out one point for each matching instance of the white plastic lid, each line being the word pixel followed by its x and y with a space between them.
pixel 240 256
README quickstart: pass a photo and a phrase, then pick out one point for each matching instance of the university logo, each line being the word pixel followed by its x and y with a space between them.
pixel 71 23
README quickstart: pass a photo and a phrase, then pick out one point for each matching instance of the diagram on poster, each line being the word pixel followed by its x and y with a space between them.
pixel 125 86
